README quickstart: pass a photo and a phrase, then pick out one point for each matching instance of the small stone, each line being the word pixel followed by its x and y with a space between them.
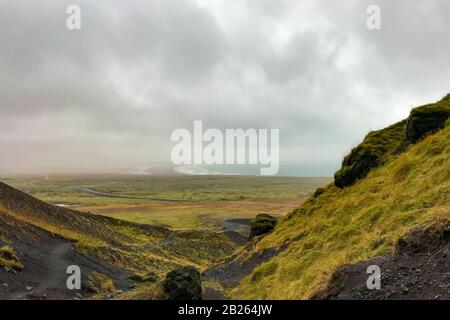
pixel 28 288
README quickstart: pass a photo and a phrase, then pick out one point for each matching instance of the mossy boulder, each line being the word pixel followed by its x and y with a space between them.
pixel 379 146
pixel 183 284
pixel 372 152
pixel 354 167
pixel 262 224
pixel 427 119
pixel 99 283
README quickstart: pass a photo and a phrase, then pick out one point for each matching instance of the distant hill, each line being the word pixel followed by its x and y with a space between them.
pixel 391 195
pixel 38 241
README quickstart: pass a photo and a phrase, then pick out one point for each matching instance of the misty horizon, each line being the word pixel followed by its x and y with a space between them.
pixel 107 97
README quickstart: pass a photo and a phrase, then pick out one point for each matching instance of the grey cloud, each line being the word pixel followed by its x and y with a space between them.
pixel 139 69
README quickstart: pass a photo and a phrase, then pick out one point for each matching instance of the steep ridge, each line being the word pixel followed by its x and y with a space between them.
pixel 396 181
pixel 38 241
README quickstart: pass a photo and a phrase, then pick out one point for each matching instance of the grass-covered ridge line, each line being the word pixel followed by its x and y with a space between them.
pixel 375 149
pixel 364 220
pixel 379 146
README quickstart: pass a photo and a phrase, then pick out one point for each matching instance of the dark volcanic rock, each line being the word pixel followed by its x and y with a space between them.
pixel 369 154
pixel 183 284
pixel 421 124
pixel 379 145
pixel 355 167
pixel 262 224
pixel 417 270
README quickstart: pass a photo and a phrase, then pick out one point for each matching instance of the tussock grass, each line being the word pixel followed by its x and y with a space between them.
pixel 9 259
pixel 99 284
pixel 355 223
pixel 146 291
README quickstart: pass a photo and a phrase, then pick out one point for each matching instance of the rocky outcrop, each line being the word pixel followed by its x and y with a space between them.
pixel 379 145
pixel 357 165
pixel 376 146
pixel 262 224
pixel 421 123
pixel 183 284
pixel 417 270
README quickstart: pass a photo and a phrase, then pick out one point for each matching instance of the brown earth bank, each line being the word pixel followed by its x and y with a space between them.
pixel 419 269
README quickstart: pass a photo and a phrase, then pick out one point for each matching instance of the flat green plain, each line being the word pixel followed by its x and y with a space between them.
pixel 193 202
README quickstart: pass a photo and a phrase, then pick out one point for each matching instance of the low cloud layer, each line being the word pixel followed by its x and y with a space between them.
pixel 109 95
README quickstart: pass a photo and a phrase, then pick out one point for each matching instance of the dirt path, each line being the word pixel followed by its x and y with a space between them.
pixel 56 266
pixel 53 283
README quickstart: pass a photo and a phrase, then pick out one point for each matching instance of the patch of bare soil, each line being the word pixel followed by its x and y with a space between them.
pixel 419 269
pixel 46 258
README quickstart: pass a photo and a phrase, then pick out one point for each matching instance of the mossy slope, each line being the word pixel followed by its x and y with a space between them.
pixel 125 245
pixel 379 146
pixel 340 226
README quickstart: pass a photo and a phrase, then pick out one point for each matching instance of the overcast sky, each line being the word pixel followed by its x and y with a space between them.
pixel 109 95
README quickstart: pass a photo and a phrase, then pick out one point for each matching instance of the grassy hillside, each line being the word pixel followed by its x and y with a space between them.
pixel 36 237
pixel 408 188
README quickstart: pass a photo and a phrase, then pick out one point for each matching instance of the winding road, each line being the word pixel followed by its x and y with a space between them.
pixel 109 195
pixel 119 196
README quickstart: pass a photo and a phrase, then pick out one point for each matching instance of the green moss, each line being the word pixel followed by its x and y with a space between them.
pixel 144 291
pixel 376 148
pixel 9 259
pixel 381 146
pixel 265 270
pixel 262 224
pixel 144 277
pixel 99 284
pixel 427 119
pixel 441 106
pixel 183 284
pixel 406 191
